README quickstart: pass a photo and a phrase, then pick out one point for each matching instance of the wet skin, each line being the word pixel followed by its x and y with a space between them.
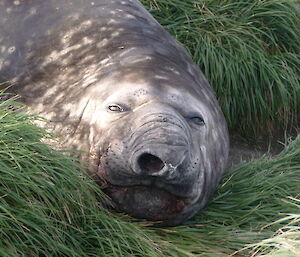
pixel 116 85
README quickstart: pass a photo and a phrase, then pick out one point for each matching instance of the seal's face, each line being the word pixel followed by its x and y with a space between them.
pixel 150 148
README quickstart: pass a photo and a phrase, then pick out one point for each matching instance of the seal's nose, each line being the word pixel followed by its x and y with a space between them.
pixel 150 163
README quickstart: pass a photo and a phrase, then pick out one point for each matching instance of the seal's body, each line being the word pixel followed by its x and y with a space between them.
pixel 116 85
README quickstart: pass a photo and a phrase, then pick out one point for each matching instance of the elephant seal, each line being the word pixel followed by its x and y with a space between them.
pixel 116 85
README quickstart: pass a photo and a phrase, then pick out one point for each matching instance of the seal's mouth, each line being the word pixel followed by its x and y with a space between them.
pixel 146 202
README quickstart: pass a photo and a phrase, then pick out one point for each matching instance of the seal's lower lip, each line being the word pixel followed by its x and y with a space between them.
pixel 146 202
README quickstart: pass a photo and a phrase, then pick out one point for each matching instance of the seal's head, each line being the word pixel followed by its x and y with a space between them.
pixel 158 149
pixel 115 84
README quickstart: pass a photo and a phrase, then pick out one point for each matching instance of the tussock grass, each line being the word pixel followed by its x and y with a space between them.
pixel 249 51
pixel 286 241
pixel 49 208
pixel 237 221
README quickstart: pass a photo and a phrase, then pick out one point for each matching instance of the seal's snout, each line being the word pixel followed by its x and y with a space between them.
pixel 149 163
pixel 163 163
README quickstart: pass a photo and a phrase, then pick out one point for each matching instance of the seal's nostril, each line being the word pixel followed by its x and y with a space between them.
pixel 149 163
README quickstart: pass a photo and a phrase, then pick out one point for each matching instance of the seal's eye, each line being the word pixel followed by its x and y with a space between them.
pixel 115 108
pixel 198 120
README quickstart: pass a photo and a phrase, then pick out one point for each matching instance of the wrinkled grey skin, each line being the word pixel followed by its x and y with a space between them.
pixel 115 84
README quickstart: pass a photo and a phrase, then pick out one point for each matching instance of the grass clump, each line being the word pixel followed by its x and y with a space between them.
pixel 49 208
pixel 248 50
pixel 286 241
pixel 242 218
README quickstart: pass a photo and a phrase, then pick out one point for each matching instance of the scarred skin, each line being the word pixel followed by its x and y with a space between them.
pixel 116 85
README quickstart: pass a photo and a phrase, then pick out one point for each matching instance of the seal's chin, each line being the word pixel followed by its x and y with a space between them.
pixel 145 202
